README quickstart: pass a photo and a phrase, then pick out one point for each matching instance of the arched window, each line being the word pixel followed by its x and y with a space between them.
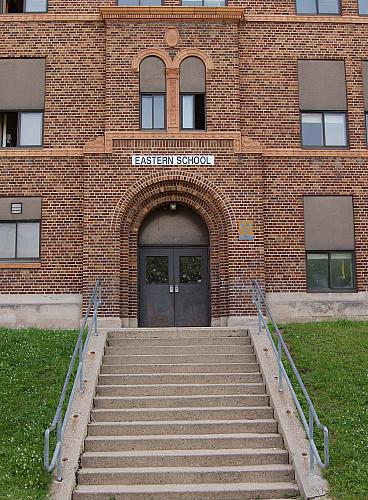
pixel 152 93
pixel 192 94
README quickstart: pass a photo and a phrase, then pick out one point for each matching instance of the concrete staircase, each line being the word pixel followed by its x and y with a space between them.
pixel 182 414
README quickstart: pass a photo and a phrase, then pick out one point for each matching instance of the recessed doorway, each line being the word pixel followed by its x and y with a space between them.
pixel 173 269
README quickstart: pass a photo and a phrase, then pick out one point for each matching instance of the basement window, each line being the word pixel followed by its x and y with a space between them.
pixel 22 6
pixel 20 240
pixel 21 129
pixel 330 271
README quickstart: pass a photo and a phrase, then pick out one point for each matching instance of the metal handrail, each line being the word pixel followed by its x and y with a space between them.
pixel 259 301
pixel 59 423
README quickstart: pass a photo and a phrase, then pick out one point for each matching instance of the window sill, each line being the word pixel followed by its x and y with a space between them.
pixel 333 290
pixel 20 265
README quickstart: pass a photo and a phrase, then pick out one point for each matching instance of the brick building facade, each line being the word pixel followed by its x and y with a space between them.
pixel 264 172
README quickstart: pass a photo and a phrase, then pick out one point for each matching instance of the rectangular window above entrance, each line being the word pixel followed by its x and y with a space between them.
pixel 203 3
pixel 193 115
pixel 22 6
pixel 318 7
pixel 21 129
pixel 153 111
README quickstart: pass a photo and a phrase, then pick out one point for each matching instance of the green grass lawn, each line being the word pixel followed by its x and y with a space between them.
pixel 332 358
pixel 33 366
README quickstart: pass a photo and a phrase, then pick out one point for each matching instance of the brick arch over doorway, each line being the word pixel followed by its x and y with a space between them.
pixel 195 193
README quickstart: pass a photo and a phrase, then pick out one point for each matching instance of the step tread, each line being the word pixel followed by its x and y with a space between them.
pixel 181 408
pixel 185 437
pixel 231 468
pixel 191 396
pixel 185 453
pixel 186 488
pixel 183 422
pixel 226 384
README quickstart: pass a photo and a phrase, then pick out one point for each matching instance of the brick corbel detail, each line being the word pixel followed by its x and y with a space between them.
pixel 172 89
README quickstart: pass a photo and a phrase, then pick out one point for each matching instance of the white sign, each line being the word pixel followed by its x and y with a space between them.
pixel 173 160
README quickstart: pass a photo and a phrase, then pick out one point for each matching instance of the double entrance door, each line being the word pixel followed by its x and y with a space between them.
pixel 173 286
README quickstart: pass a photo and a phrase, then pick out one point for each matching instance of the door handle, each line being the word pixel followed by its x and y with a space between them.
pixel 171 289
pixel 176 288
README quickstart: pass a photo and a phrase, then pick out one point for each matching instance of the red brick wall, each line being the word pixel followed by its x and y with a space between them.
pixel 92 206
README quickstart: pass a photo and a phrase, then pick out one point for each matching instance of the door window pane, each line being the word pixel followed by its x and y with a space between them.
pixel 312 129
pixel 187 111
pixel 306 7
pixel 335 129
pixel 363 7
pixel 157 269
pixel 7 240
pixel 159 111
pixel 342 270
pixel 31 125
pixel 36 6
pixel 317 270
pixel 28 240
pixel 329 6
pixel 190 269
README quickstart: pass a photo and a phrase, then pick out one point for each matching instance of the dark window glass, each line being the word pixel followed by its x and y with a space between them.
pixel 21 129
pixel 35 6
pixel 193 115
pixel 363 7
pixel 366 126
pixel 341 270
pixel 324 129
pixel 157 269
pixel 152 111
pixel 19 6
pixel 317 270
pixel 19 240
pixel 318 6
pixel 190 269
pixel 330 270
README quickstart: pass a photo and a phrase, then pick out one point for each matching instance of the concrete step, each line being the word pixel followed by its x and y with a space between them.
pixel 177 341
pixel 113 359
pixel 179 390
pixel 173 333
pixel 180 378
pixel 185 458
pixel 183 413
pixel 133 368
pixel 182 401
pixel 183 442
pixel 160 427
pixel 211 491
pixel 165 350
pixel 180 475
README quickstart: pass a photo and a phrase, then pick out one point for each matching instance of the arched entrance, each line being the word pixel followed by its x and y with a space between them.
pixel 173 268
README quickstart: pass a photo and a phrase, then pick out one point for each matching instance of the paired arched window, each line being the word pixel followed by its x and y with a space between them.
pixel 152 93
pixel 192 88
pixel 192 94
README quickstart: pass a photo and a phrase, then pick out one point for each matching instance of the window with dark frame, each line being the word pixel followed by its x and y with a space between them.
pixel 330 271
pixel 20 229
pixel 323 103
pixel 203 3
pixel 324 129
pixel 329 243
pixel 152 73
pixel 21 129
pixel 22 6
pixel 318 7
pixel 139 3
pixel 363 7
pixel 192 94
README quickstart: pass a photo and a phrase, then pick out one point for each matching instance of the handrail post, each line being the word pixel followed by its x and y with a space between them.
pixel 81 363
pixel 279 358
pixel 311 439
pixel 59 458
pixel 259 307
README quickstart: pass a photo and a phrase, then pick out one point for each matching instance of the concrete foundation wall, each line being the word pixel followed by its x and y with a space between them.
pixel 40 311
pixel 300 306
